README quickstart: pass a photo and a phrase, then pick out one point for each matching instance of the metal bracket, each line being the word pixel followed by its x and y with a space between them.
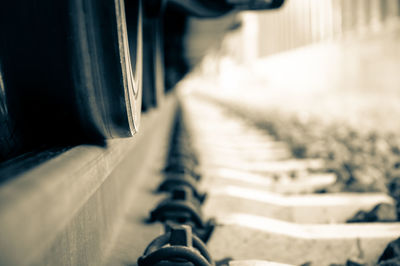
pixel 176 247
pixel 182 208
pixel 174 182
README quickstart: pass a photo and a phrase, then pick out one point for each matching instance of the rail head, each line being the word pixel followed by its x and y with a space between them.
pixel 36 205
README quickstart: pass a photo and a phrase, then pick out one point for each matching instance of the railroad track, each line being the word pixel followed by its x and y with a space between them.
pixel 259 208
pixel 237 188
pixel 114 202
pixel 263 205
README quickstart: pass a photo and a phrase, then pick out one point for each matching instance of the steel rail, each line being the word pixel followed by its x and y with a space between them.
pixel 64 211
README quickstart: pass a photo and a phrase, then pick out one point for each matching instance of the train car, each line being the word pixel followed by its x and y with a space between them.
pixel 73 75
pixel 74 71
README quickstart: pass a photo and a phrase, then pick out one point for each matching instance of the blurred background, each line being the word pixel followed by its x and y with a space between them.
pixel 296 24
pixel 321 75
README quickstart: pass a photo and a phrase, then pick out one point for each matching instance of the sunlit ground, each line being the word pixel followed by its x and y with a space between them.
pixel 337 100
